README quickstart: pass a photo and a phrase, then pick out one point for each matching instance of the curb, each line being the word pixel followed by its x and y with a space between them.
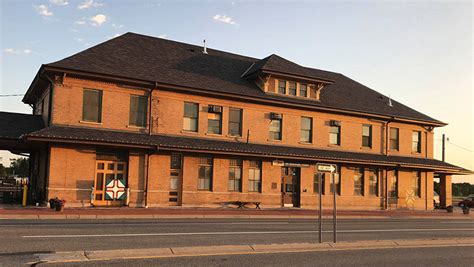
pixel 212 216
pixel 103 255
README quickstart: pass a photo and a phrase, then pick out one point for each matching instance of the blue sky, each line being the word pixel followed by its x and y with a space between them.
pixel 419 53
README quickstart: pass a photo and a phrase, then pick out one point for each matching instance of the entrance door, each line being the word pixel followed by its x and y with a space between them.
pixel 290 186
pixel 110 172
pixel 176 177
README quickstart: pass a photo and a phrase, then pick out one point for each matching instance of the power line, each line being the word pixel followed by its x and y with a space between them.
pixel 467 149
pixel 12 95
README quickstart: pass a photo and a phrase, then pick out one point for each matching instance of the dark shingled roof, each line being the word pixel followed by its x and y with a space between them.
pixel 275 63
pixel 75 134
pixel 151 59
pixel 14 125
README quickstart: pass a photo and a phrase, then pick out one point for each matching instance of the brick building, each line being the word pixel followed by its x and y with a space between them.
pixel 143 121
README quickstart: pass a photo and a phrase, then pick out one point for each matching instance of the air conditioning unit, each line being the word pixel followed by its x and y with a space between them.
pixel 276 116
pixel 214 109
pixel 334 123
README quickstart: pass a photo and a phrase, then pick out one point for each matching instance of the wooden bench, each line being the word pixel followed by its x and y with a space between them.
pixel 244 204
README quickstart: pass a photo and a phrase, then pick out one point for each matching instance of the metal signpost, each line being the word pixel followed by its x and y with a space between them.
pixel 321 170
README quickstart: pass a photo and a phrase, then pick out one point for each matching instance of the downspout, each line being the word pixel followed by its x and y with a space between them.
pixel 426 173
pixel 386 170
pixel 48 153
pixel 150 126
pixel 50 100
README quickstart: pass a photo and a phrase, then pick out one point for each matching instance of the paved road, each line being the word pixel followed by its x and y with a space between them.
pixel 20 239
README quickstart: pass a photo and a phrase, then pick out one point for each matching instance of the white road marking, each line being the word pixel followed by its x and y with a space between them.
pixel 244 233
pixel 468 222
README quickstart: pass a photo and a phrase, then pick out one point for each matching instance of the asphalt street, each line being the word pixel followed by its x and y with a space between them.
pixel 23 238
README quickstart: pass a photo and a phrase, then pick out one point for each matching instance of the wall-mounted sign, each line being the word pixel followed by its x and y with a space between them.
pixel 281 163
pixel 278 163
pixel 292 164
pixel 115 189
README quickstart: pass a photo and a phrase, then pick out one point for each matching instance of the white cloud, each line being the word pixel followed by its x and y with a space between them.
pixel 117 26
pixel 88 4
pixel 98 19
pixel 80 22
pixel 10 51
pixel 17 51
pixel 42 10
pixel 224 19
pixel 59 2
pixel 162 36
pixel 79 40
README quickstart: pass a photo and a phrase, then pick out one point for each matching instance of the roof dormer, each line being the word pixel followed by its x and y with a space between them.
pixel 276 75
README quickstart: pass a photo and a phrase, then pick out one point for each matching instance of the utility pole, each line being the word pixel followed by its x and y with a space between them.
pixel 443 147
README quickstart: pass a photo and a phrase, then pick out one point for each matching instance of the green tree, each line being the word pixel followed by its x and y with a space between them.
pixel 20 167
pixel 3 170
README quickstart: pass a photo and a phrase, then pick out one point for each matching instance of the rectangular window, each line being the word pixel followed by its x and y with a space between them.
pixel 306 131
pixel 92 105
pixel 394 141
pixel 416 186
pixel 205 173
pixel 373 182
pixel 138 110
pixel 359 181
pixel 416 142
pixel 393 192
pixel 367 136
pixel 214 122
pixel 303 90
pixel 337 178
pixel 255 176
pixel 235 121
pixel 282 87
pixel 316 183
pixel 292 88
pixel 175 163
pixel 275 129
pixel 190 120
pixel 335 135
pixel 235 175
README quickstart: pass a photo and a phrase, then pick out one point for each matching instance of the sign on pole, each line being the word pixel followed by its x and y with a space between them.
pixel 332 169
pixel 322 167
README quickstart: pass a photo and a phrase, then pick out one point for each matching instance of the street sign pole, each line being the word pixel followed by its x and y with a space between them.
pixel 334 220
pixel 320 190
pixel 332 169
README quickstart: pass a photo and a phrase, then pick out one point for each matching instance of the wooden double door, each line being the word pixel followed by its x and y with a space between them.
pixel 112 173
pixel 290 191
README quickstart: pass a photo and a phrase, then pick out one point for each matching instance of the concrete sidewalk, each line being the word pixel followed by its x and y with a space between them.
pixel 16 212
pixel 146 253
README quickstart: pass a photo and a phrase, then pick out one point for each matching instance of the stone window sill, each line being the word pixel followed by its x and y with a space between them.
pixel 91 122
pixel 188 132
pixel 214 135
pixel 305 143
pixel 136 127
